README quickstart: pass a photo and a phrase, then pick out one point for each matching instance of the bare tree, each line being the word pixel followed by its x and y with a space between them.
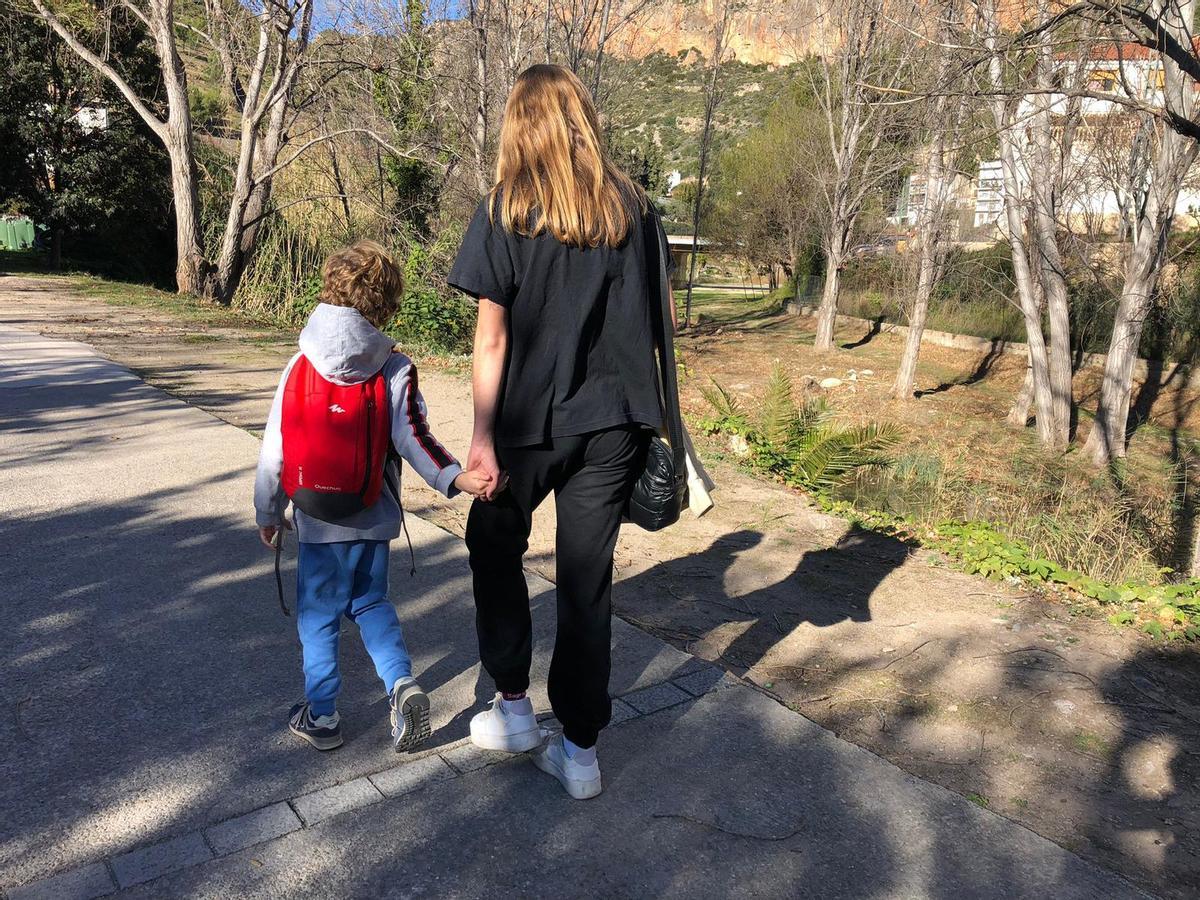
pixel 1035 122
pixel 584 28
pixel 712 99
pixel 1172 156
pixel 944 112
pixel 260 79
pixel 869 63
pixel 1004 111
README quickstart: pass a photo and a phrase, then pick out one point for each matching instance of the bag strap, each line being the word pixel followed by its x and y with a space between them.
pixel 666 344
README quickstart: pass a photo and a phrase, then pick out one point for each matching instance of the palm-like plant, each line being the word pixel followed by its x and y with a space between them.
pixel 802 444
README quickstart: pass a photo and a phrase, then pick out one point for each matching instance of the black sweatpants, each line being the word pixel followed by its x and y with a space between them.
pixel 591 476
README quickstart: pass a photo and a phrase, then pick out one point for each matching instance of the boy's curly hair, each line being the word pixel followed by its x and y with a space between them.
pixel 365 277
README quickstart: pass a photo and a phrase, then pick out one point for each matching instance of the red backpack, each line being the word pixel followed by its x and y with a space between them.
pixel 335 442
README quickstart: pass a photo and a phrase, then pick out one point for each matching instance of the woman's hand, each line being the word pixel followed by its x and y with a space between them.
pixel 482 459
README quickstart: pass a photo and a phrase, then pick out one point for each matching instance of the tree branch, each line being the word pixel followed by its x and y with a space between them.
pixel 157 125
pixel 307 145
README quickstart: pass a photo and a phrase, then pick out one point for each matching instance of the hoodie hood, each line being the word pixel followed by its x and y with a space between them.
pixel 343 346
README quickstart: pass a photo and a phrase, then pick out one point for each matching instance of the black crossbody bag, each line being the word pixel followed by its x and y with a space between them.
pixel 661 490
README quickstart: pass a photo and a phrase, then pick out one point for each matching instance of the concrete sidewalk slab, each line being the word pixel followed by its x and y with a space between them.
pixel 149 674
pixel 730 795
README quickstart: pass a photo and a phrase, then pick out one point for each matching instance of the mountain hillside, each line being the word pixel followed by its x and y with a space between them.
pixel 658 100
pixel 775 32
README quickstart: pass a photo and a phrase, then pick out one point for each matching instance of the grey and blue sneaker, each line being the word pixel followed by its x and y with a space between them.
pixel 323 732
pixel 410 715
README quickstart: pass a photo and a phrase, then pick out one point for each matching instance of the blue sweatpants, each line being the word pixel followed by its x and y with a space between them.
pixel 348 579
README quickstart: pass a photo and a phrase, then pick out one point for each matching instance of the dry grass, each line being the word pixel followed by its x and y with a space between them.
pixel 958 459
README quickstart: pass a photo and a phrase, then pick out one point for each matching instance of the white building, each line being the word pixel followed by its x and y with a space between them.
pixel 1102 150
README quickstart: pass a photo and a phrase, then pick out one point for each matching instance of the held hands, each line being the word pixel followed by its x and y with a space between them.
pixel 475 482
pixel 482 458
pixel 269 534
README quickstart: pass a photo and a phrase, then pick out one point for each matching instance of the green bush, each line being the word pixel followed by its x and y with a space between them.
pixel 432 316
pixel 800 443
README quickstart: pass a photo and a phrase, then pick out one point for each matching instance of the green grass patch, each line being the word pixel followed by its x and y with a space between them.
pixel 1091 744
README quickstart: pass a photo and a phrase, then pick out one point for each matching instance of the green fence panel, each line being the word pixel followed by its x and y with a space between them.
pixel 16 233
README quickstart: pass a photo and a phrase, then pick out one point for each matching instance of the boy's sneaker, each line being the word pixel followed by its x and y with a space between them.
pixel 410 715
pixel 508 726
pixel 323 732
pixel 580 776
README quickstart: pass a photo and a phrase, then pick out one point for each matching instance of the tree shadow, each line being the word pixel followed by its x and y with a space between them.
pixel 1144 799
pixel 874 327
pixel 1156 761
pixel 983 368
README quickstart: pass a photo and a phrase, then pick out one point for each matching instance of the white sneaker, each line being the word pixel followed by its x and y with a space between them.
pixel 513 729
pixel 581 779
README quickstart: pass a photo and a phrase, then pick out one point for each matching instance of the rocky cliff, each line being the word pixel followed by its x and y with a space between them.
pixel 775 32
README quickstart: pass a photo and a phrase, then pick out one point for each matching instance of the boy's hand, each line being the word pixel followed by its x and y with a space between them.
pixel 473 481
pixel 268 533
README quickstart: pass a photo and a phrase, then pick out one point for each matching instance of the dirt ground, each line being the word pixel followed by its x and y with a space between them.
pixel 1038 710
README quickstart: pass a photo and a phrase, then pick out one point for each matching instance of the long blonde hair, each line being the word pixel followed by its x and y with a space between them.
pixel 552 172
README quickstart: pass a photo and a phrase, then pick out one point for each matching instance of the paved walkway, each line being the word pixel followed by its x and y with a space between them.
pixel 148 672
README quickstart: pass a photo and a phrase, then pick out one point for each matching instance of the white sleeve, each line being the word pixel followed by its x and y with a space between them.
pixel 412 438
pixel 270 502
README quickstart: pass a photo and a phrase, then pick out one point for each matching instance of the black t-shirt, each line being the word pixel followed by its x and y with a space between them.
pixel 581 328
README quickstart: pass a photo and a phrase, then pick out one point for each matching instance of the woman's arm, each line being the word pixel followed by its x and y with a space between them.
pixel 491 350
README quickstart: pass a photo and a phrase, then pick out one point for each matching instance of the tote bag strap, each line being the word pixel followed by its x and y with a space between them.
pixel 665 339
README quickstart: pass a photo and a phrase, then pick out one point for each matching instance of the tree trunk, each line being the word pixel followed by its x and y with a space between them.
pixel 600 41
pixel 340 184
pixel 1169 166
pixel 191 265
pixel 1027 291
pixel 711 99
pixel 931 224
pixel 478 15
pixel 1108 435
pixel 1018 413
pixel 1046 176
pixel 835 254
pixel 930 231
pixel 56 242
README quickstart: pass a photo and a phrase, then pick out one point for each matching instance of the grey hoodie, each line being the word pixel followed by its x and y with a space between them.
pixel 347 349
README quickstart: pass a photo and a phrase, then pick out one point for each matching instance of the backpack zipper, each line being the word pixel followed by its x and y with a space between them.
pixel 367 456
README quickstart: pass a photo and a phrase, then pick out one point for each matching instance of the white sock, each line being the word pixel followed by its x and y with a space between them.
pixel 522 707
pixel 579 754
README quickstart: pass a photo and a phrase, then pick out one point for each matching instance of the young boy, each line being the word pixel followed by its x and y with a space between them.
pixel 343 559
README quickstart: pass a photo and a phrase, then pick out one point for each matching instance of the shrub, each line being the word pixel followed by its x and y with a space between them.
pixel 800 443
pixel 433 317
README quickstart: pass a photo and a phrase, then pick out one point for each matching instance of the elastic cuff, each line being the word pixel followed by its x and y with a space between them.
pixel 266 518
pixel 512 685
pixel 444 484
